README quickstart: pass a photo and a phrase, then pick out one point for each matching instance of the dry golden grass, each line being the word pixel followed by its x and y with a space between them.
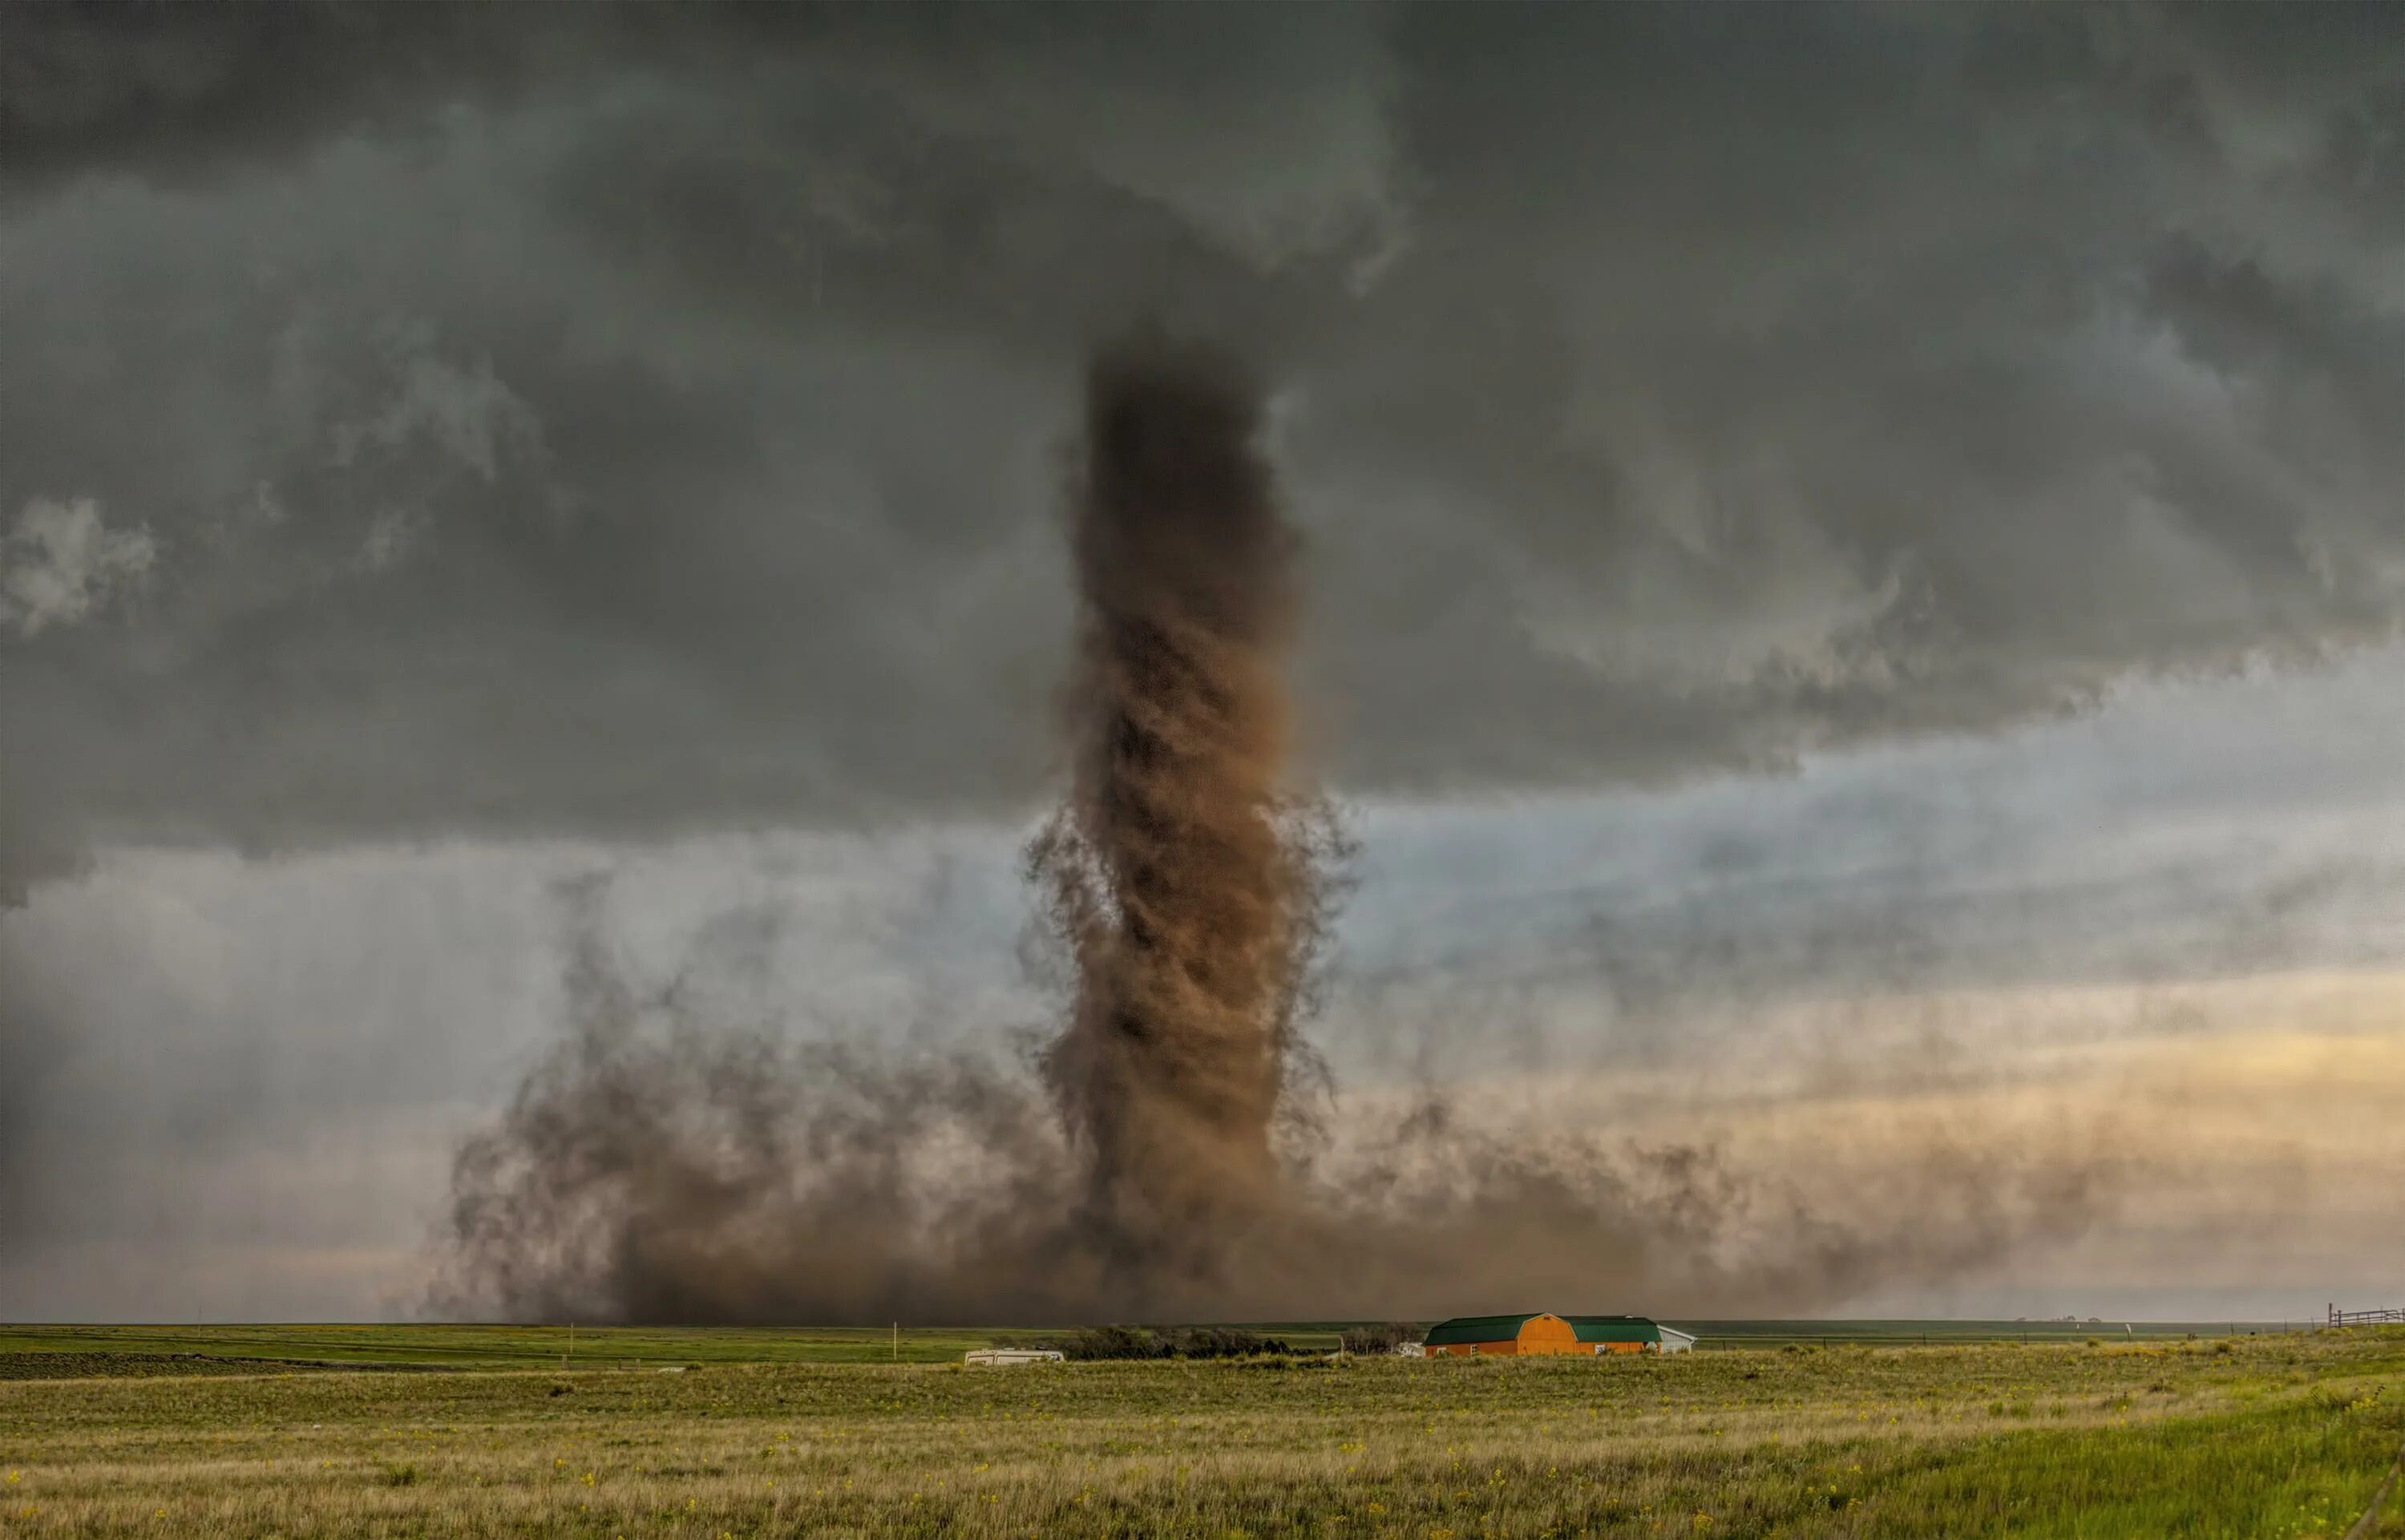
pixel 2275 1436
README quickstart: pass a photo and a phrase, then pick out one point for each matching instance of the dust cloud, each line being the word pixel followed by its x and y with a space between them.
pixel 1173 1149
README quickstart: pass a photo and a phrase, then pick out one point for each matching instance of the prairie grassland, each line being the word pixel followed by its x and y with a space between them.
pixel 546 1347
pixel 2257 1437
pixel 525 1347
pixel 541 1347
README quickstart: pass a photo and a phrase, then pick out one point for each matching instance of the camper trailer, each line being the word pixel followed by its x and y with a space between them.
pixel 1004 1357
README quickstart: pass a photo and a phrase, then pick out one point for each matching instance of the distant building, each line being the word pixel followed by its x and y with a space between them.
pixel 1003 1357
pixel 1489 1336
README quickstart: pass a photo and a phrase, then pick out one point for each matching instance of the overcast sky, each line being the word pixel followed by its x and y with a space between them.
pixel 1854 562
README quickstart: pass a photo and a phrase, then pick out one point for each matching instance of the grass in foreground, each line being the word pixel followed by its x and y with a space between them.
pixel 2262 1436
pixel 637 1347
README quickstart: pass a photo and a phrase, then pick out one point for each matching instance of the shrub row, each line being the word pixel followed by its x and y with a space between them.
pixel 1133 1342
pixel 1380 1339
pixel 1114 1342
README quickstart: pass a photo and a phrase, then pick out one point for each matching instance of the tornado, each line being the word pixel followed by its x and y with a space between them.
pixel 1175 1157
pixel 1184 871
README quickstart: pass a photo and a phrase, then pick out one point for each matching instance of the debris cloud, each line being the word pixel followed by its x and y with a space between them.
pixel 1167 1152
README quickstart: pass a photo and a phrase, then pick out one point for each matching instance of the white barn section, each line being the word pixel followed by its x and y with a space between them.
pixel 1003 1357
pixel 1675 1341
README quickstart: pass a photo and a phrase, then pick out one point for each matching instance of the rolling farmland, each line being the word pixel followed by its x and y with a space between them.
pixel 791 1433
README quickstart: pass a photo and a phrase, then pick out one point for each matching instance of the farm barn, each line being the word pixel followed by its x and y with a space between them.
pixel 1519 1335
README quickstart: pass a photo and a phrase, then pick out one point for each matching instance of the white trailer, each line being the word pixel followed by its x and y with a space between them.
pixel 1004 1357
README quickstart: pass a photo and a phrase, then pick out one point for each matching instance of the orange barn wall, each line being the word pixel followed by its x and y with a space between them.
pixel 1550 1335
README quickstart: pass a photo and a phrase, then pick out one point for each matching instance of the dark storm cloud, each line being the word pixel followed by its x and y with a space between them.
pixel 616 421
pixel 637 419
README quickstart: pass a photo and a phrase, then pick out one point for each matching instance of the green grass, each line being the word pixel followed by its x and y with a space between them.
pixel 1747 1333
pixel 539 1345
pixel 523 1347
pixel 2269 1436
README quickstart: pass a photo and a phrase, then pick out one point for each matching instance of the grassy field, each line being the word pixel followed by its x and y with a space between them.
pixel 2250 1435
pixel 535 1347
pixel 518 1347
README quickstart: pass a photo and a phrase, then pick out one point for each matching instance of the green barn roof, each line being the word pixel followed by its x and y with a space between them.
pixel 1504 1328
